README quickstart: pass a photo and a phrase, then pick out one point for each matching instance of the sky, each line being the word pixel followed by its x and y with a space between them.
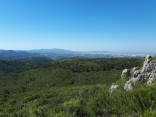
pixel 78 25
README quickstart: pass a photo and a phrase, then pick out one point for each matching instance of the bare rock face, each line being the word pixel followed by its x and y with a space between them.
pixel 148 73
pixel 136 73
pixel 129 72
pixel 146 63
pixel 134 69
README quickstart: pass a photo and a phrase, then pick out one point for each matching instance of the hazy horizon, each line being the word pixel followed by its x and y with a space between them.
pixel 126 26
pixel 115 52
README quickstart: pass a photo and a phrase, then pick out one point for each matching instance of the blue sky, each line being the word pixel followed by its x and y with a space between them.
pixel 81 25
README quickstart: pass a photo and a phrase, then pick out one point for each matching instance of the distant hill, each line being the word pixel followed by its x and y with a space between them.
pixel 23 64
pixel 56 54
pixel 40 87
pixel 52 51
pixel 10 54
pixel 63 51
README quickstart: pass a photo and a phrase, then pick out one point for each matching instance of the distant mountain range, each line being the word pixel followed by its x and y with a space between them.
pixel 10 54
pixel 60 53
pixel 51 51
pixel 63 51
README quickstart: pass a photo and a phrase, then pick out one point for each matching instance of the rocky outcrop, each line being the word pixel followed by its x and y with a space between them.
pixel 129 72
pixel 146 63
pixel 134 75
pixel 148 73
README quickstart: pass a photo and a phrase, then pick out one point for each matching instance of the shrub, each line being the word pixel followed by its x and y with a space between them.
pixel 75 107
pixel 154 57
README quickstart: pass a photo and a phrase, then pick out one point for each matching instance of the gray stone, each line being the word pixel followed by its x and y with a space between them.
pixel 150 81
pixel 134 69
pixel 140 77
pixel 134 80
pixel 114 88
pixel 136 73
pixel 128 86
pixel 126 72
pixel 147 73
pixel 147 60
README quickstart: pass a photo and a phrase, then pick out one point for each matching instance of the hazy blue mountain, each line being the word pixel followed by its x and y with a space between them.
pixel 51 51
pixel 10 54
pixel 61 53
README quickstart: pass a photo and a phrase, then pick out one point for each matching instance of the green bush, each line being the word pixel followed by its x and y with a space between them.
pixel 75 107
pixel 154 57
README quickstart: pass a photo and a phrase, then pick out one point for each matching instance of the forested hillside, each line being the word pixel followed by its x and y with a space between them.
pixel 11 54
pixel 74 87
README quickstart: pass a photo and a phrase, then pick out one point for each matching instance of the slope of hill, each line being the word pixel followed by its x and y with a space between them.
pixel 52 51
pixel 10 54
pixel 18 65
pixel 68 88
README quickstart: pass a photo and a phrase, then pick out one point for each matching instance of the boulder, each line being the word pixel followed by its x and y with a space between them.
pixel 134 80
pixel 114 88
pixel 150 81
pixel 128 86
pixel 140 77
pixel 134 69
pixel 136 73
pixel 146 62
pixel 126 72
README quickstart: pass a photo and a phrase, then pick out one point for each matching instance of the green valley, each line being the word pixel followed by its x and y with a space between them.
pixel 40 87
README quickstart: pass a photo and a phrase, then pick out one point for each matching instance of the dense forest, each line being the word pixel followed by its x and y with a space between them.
pixel 41 87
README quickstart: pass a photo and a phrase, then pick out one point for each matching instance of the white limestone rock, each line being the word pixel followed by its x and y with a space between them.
pixel 136 73
pixel 146 62
pixel 148 73
pixel 134 69
pixel 126 72
pixel 114 88
pixel 150 81
pixel 128 86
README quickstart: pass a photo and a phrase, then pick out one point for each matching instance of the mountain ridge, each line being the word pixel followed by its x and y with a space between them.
pixel 61 53
pixel 64 51
pixel 11 54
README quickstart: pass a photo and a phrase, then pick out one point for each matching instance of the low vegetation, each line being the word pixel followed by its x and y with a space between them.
pixel 72 88
pixel 154 57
